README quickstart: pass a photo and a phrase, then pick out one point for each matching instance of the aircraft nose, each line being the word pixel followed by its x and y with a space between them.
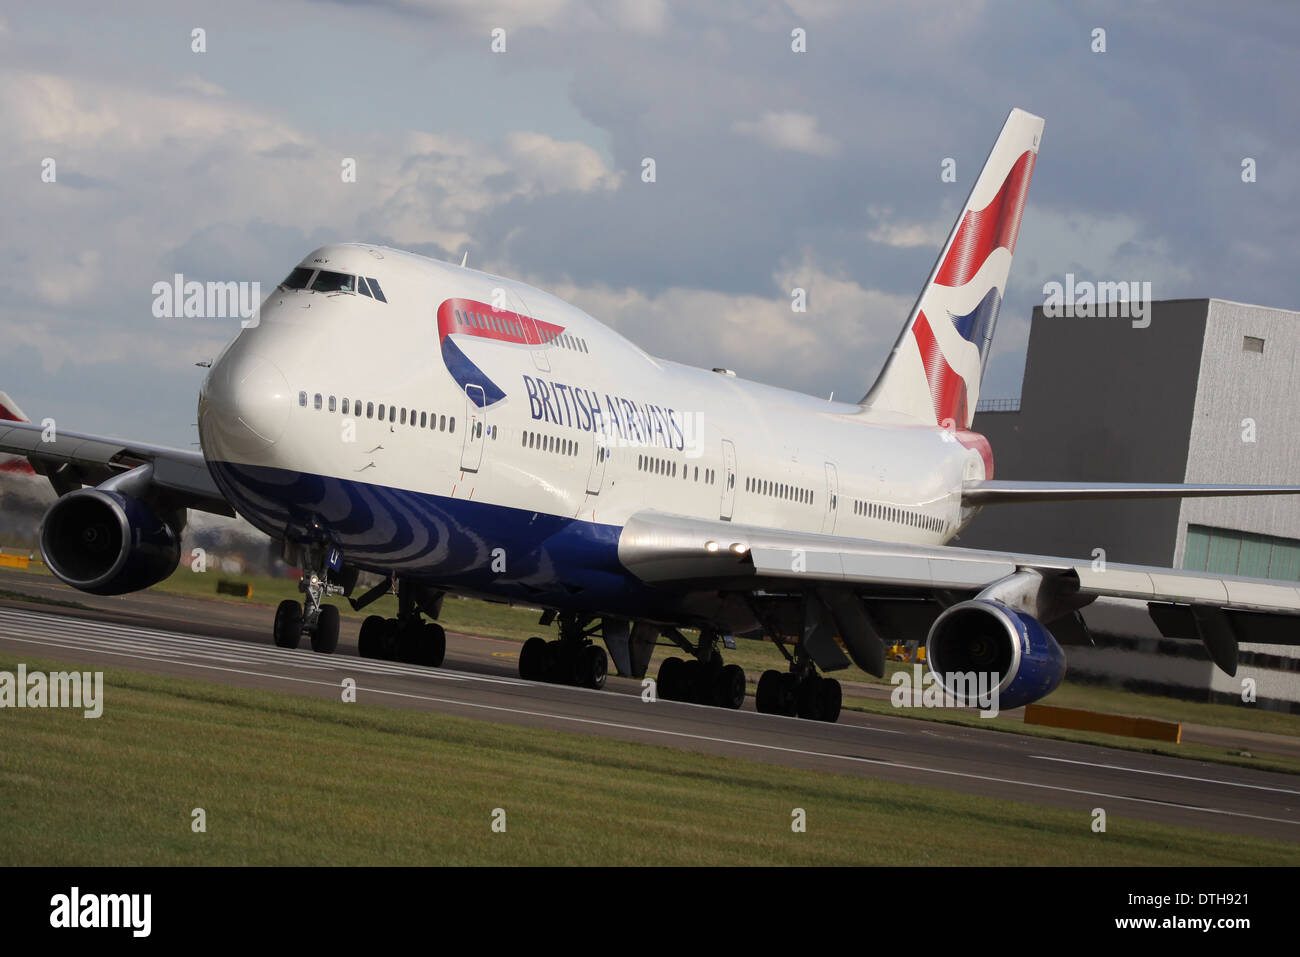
pixel 245 406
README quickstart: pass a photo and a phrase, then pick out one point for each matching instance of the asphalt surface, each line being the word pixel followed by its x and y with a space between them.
pixel 230 644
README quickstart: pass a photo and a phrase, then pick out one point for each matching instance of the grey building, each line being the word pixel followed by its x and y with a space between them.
pixel 1206 391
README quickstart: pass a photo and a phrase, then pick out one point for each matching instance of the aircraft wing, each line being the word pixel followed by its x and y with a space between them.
pixel 882 577
pixel 70 460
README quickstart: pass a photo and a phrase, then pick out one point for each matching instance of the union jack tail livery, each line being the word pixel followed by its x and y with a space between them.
pixel 9 412
pixel 933 373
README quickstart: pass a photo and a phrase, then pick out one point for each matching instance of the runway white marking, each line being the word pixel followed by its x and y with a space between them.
pixel 7 616
pixel 1166 774
pixel 172 646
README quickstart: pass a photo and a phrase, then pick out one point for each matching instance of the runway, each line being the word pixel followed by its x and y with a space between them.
pixel 229 644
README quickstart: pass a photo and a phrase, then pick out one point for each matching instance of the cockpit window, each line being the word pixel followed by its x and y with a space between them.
pixel 333 282
pixel 298 279
pixel 379 293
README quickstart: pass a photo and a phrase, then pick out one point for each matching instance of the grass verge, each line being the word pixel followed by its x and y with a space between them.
pixel 285 779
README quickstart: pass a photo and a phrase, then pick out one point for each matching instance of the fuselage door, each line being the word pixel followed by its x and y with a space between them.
pixel 471 455
pixel 832 499
pixel 728 480
pixel 596 477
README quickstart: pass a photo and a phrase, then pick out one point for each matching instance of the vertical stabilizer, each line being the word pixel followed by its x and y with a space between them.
pixel 933 373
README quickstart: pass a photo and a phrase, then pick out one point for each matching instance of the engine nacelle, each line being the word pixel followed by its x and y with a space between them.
pixel 982 636
pixel 104 542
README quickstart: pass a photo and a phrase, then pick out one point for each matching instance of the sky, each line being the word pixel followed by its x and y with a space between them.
pixel 775 169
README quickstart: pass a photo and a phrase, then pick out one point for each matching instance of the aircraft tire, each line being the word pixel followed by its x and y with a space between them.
pixel 287 630
pixel 326 636
pixel 532 659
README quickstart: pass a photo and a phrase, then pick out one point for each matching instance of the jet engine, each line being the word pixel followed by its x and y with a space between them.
pixel 1018 655
pixel 103 541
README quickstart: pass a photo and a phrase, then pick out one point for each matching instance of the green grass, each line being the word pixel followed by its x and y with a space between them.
pixel 285 779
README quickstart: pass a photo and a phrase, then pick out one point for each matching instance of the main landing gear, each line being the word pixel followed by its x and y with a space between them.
pixel 799 692
pixel 571 659
pixel 703 679
pixel 408 638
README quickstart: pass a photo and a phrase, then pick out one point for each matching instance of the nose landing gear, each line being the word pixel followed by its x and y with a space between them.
pixel 319 621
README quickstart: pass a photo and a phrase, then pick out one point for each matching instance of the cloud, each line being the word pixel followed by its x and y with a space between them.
pixel 788 130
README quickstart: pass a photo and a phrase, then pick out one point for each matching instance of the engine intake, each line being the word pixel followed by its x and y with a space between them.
pixel 104 542
pixel 982 636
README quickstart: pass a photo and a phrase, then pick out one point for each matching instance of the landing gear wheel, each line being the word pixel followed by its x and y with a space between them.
pixel 788 700
pixel 435 645
pixel 729 687
pixel 691 690
pixel 326 636
pixel 810 698
pixel 288 624
pixel 669 684
pixel 388 640
pixel 593 664
pixel 831 699
pixel 533 659
pixel 369 641
pixel 767 698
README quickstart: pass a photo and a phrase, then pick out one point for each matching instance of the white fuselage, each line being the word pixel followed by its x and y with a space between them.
pixel 667 437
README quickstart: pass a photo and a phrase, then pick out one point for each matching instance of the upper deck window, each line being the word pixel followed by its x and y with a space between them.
pixel 298 279
pixel 327 281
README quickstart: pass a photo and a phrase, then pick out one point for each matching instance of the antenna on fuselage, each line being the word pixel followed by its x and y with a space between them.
pixel 464 259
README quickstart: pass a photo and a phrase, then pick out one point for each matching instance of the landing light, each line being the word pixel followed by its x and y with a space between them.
pixel 739 548
pixel 710 546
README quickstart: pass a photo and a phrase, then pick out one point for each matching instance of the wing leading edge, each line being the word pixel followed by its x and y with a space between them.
pixel 71 459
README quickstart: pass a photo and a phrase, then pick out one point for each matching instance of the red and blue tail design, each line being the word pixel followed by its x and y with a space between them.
pixel 933 374
pixel 9 412
pixel 470 318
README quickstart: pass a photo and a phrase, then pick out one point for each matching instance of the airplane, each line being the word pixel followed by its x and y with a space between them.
pixel 455 432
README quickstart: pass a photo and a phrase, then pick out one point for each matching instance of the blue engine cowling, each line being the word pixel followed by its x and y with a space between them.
pixel 982 636
pixel 107 543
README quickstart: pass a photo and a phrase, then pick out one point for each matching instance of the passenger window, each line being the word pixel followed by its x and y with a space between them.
pixel 422 419
pixel 331 403
pixel 302 399
pixel 451 424
pixel 344 410
pixel 298 279
pixel 442 424
pixel 381 412
pixel 317 402
pixel 403 416
pixel 370 410
pixel 392 413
